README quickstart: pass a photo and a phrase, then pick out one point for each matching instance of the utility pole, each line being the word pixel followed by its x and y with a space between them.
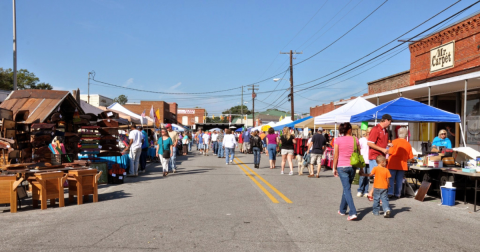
pixel 291 82
pixel 14 46
pixel 253 88
pixel 88 97
pixel 241 106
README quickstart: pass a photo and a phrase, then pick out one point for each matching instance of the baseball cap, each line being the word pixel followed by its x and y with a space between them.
pixel 387 117
pixel 168 125
pixel 320 129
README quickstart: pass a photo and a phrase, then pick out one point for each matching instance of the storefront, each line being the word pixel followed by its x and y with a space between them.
pixel 444 73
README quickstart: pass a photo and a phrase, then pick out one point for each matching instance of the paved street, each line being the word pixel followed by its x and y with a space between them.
pixel 209 206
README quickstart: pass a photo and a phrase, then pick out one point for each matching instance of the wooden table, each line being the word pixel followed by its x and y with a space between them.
pixel 8 191
pixel 83 183
pixel 47 185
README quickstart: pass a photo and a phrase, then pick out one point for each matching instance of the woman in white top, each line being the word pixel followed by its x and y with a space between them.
pixel 364 181
pixel 229 144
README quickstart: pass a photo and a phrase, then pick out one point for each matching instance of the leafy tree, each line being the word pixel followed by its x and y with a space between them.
pixel 237 110
pixel 122 99
pixel 25 80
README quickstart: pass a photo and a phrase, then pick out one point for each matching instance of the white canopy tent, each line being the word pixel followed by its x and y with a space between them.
pixel 147 121
pixel 284 121
pixel 259 128
pixel 343 114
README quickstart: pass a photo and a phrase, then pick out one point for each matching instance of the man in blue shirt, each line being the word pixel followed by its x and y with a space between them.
pixel 143 156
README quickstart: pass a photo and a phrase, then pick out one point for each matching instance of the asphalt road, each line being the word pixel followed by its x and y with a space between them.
pixel 211 206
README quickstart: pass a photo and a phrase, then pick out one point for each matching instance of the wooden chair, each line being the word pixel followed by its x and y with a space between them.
pixel 8 191
pixel 48 185
pixel 82 183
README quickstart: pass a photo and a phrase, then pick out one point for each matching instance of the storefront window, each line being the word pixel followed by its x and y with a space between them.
pixel 473 119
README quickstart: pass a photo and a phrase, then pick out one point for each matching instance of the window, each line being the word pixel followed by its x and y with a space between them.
pixel 196 119
pixel 185 120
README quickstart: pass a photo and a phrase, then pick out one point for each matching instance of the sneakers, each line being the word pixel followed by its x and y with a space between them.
pixel 214 154
pixel 281 173
pixel 359 194
pixel 290 173
pixel 387 214
pixel 226 163
pixel 174 170
pixel 352 217
pixel 342 214
pixel 231 162
pixel 365 195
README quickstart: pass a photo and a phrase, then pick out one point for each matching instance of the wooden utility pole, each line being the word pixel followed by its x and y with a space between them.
pixel 291 82
pixel 253 88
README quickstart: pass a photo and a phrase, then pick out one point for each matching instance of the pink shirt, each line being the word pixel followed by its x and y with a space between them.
pixel 364 148
pixel 345 150
pixel 272 138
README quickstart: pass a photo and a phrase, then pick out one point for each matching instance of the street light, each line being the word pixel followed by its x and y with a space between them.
pixel 277 79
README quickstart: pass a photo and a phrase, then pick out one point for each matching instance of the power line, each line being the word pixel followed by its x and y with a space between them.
pixel 351 29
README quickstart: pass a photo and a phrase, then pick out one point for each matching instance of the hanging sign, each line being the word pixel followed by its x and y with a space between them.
pixel 442 57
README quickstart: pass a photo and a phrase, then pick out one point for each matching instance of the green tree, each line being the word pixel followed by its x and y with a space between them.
pixel 25 80
pixel 237 110
pixel 122 99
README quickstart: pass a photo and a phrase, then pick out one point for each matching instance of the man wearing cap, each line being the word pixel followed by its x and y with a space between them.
pixel 174 136
pixel 214 142
pixel 378 142
pixel 135 147
pixel 318 146
pixel 246 142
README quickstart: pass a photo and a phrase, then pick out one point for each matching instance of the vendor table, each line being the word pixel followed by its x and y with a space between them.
pixel 123 161
pixel 83 183
pixel 47 185
pixel 8 191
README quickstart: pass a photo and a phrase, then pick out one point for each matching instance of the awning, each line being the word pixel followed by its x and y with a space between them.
pixel 344 113
pixel 406 110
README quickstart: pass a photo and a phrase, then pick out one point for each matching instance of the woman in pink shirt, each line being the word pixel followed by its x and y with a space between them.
pixel 344 147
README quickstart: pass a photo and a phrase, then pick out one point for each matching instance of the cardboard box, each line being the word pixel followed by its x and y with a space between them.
pixel 435 164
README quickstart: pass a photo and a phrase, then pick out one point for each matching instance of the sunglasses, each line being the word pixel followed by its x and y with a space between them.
pixel 443 134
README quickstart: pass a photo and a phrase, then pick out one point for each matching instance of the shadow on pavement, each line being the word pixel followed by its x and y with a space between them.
pixel 362 212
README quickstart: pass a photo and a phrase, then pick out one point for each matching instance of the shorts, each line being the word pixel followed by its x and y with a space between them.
pixel 315 157
pixel 206 146
pixel 240 145
pixel 285 152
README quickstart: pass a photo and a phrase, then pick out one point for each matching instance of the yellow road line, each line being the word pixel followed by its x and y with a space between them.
pixel 268 184
pixel 269 195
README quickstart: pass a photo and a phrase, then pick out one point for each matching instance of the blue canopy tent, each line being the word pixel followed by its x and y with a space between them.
pixel 292 124
pixel 239 130
pixel 406 110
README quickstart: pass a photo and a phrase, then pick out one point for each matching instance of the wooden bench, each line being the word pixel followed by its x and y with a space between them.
pixel 48 185
pixel 82 183
pixel 8 191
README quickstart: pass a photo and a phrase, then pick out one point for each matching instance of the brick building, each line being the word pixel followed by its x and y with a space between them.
pixel 190 116
pixel 168 110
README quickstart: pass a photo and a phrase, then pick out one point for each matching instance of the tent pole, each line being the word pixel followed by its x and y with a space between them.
pixel 465 111
pixel 428 105
pixel 335 132
pixel 463 135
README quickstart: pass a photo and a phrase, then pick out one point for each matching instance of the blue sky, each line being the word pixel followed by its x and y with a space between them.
pixel 204 46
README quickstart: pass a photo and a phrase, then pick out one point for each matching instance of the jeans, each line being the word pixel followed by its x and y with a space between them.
pixel 272 151
pixel 397 179
pixel 256 155
pixel 221 151
pixel 228 152
pixel 380 194
pixel 190 146
pixel 215 147
pixel 364 181
pixel 172 160
pixel 347 174
pixel 135 160
pixel 143 159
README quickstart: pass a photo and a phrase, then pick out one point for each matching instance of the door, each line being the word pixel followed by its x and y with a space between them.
pixel 185 120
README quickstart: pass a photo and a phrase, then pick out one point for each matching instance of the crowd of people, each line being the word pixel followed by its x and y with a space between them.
pixel 384 160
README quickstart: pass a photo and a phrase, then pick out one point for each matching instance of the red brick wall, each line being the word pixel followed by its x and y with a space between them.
pixel 320 110
pixel 467 53
pixel 389 83
pixel 191 117
pixel 168 111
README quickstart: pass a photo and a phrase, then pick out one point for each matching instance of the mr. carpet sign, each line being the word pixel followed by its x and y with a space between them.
pixel 442 57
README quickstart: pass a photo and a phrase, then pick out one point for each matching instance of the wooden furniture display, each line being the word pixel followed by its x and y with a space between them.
pixel 8 191
pixel 83 183
pixel 48 185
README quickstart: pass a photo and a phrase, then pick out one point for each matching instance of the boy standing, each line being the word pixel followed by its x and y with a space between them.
pixel 380 185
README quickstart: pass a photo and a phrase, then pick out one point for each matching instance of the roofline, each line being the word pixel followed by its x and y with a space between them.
pixel 96 94
pixel 388 77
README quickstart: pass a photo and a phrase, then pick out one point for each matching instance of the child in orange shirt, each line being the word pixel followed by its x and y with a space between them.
pixel 380 186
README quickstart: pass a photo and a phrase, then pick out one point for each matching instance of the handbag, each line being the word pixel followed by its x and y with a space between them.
pixel 356 160
pixel 166 153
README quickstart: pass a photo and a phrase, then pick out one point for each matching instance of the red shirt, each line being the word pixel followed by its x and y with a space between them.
pixel 378 136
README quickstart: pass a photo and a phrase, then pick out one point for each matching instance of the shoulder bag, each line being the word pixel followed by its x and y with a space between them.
pixel 356 160
pixel 166 153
